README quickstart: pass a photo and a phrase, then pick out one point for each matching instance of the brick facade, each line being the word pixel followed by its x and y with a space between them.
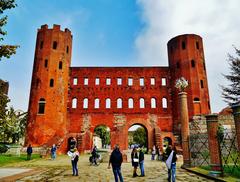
pixel 72 101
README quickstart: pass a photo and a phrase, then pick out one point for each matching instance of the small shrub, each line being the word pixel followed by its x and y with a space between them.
pixel 3 149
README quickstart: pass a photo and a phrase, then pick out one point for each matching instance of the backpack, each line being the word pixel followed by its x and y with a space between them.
pixel 76 158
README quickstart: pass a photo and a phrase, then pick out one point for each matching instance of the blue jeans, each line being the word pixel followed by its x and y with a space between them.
pixel 53 155
pixel 74 168
pixel 117 172
pixel 172 173
pixel 141 165
pixel 153 157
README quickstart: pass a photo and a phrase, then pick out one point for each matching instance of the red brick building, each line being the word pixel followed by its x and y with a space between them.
pixel 68 102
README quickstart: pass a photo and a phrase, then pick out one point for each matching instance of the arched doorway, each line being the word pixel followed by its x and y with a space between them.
pixel 101 137
pixel 138 136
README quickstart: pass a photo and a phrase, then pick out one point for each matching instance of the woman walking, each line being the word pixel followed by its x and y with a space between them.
pixel 135 161
pixel 74 159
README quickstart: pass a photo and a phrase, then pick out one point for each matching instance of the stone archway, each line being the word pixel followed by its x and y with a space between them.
pixel 102 137
pixel 143 131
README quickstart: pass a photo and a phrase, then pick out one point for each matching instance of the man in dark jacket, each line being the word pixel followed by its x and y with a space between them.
pixel 141 162
pixel 116 160
pixel 29 152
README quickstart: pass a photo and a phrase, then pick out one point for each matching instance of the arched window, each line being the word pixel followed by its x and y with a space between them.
pixel 119 103
pixel 196 99
pixel 51 82
pixel 193 63
pixel 60 65
pixel 96 103
pixel 164 103
pixel 46 63
pixel 153 103
pixel 41 106
pixel 55 45
pixel 85 103
pixel 141 103
pixel 74 103
pixel 108 103
pixel 130 103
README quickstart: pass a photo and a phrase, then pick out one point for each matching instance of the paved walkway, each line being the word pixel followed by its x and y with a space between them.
pixel 60 170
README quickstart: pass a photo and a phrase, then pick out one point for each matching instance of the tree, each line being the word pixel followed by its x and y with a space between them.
pixel 6 50
pixel 104 134
pixel 140 137
pixel 12 126
pixel 231 93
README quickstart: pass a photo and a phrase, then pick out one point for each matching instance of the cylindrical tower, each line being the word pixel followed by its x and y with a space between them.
pixel 186 59
pixel 47 112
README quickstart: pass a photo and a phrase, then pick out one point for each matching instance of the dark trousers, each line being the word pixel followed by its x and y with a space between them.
pixel 74 168
pixel 117 173
pixel 29 156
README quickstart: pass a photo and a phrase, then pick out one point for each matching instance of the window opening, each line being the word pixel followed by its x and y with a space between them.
pixel 74 103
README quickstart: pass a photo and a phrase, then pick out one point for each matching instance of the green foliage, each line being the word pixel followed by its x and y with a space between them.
pixel 6 50
pixel 231 93
pixel 220 132
pixel 12 126
pixel 104 134
pixel 140 137
pixel 3 148
pixel 3 104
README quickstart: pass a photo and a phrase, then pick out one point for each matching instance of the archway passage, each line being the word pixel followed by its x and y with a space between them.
pixel 101 137
pixel 138 136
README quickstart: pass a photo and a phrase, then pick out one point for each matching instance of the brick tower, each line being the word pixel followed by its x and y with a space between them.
pixel 47 120
pixel 186 58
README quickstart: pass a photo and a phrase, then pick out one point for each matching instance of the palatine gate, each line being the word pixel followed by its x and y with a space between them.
pixel 70 101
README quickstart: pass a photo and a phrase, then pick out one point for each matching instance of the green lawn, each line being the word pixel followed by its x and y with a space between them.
pixel 228 170
pixel 10 159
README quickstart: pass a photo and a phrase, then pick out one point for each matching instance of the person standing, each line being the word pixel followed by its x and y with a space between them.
pixel 153 152
pixel 135 161
pixel 116 160
pixel 74 160
pixel 29 152
pixel 53 151
pixel 94 155
pixel 158 152
pixel 141 162
pixel 171 162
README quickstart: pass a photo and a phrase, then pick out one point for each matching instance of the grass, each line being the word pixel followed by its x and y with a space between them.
pixel 228 170
pixel 10 159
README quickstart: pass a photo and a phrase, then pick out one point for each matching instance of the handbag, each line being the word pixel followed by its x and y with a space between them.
pixel 135 160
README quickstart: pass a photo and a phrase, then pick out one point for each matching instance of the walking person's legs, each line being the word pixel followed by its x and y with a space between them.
pixel 142 168
pixel 169 175
pixel 173 170
pixel 76 168
pixel 115 174
pixel 120 174
pixel 73 168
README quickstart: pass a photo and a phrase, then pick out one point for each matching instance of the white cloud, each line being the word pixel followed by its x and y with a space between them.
pixel 216 21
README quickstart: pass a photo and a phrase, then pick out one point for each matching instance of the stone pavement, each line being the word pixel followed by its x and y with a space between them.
pixel 4 172
pixel 60 170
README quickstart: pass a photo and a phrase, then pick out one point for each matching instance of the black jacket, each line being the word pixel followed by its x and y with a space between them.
pixel 116 158
pixel 141 156
pixel 168 152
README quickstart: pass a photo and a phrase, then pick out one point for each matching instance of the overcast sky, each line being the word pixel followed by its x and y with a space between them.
pixel 122 33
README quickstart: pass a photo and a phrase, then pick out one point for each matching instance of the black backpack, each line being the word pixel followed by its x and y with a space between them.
pixel 76 158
